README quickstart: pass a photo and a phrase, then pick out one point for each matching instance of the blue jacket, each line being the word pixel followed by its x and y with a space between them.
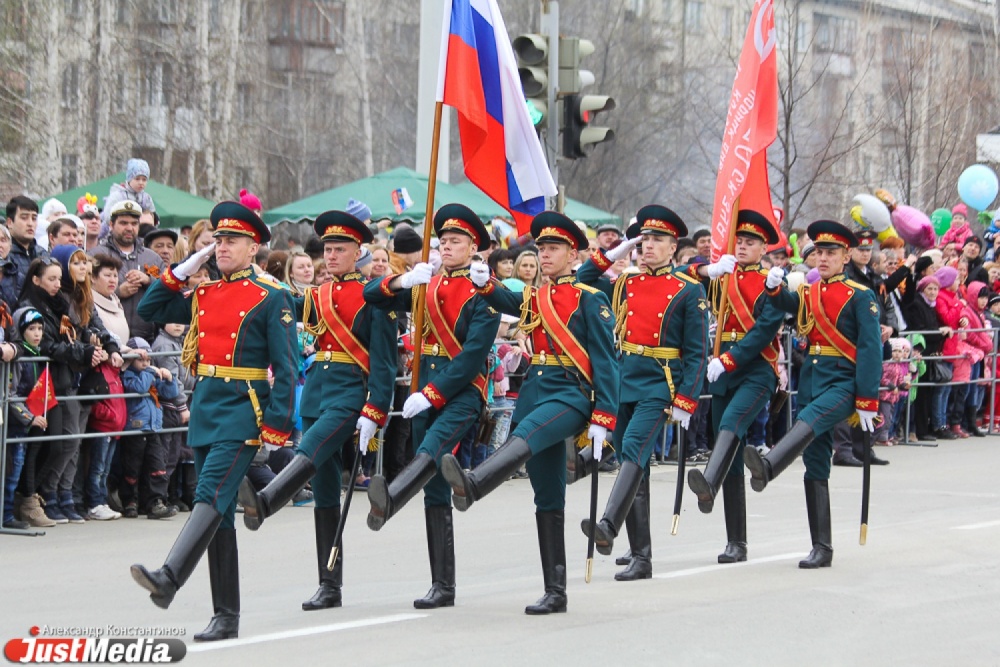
pixel 145 414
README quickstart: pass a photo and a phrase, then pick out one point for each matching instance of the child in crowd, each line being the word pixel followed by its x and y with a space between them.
pixel 22 422
pixel 177 455
pixel 895 390
pixel 143 453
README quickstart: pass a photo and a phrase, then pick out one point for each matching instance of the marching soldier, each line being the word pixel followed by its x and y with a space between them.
pixel 662 332
pixel 240 326
pixel 839 379
pixel 572 381
pixel 460 329
pixel 742 379
pixel 349 385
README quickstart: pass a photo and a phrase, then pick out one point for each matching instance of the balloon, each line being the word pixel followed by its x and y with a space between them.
pixel 886 234
pixel 856 216
pixel 886 198
pixel 874 213
pixel 812 276
pixel 941 221
pixel 913 226
pixel 978 186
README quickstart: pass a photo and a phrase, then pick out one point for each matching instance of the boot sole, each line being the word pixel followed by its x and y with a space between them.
pixel 417 604
pixel 452 472
pixel 378 496
pixel 141 577
pixel 252 516
pixel 803 565
pixel 637 577
pixel 702 489
pixel 603 542
pixel 755 464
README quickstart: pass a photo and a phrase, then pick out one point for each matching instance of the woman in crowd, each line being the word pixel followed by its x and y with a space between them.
pixel 949 309
pixel 320 273
pixel 380 261
pixel 526 268
pixel 299 272
pixel 201 237
pixel 276 263
pixel 104 283
pixel 501 262
pixel 974 344
pixel 921 315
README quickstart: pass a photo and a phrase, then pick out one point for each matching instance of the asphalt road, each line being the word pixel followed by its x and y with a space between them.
pixel 924 591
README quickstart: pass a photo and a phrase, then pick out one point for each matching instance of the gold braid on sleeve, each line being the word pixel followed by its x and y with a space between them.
pixel 715 295
pixel 189 350
pixel 307 308
pixel 620 305
pixel 528 321
pixel 805 319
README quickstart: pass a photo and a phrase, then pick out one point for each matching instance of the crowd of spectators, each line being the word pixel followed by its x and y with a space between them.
pixel 70 285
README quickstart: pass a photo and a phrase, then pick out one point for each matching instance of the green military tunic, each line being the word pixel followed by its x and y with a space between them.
pixel 559 399
pixel 241 326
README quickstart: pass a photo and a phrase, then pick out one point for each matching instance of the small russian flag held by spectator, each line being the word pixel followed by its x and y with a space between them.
pixel 401 200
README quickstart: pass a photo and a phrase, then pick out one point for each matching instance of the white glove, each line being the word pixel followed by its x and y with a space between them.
pixel 479 274
pixel 597 435
pixel 414 405
pixel 715 369
pixel 867 418
pixel 420 274
pixel 190 266
pixel 681 416
pixel 726 264
pixel 774 277
pixel 624 249
pixel 366 428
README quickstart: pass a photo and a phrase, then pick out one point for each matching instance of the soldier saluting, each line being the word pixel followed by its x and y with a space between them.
pixel 571 386
pixel 460 330
pixel 839 379
pixel 742 379
pixel 662 334
pixel 240 326
pixel 348 386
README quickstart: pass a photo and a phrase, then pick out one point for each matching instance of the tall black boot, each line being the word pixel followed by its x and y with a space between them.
pixel 328 593
pixel 619 504
pixel 818 510
pixel 387 499
pixel 192 542
pixel 734 502
pixel 706 484
pixel 971 413
pixel 641 542
pixel 469 487
pixel 577 461
pixel 765 468
pixel 274 496
pixel 224 576
pixel 552 547
pixel 441 551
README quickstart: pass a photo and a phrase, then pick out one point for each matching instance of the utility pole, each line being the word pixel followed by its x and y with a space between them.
pixel 550 29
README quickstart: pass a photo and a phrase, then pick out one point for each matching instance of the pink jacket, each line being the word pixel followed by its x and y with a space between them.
pixel 895 374
pixel 957 234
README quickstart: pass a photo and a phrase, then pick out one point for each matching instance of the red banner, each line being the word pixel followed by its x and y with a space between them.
pixel 42 397
pixel 751 126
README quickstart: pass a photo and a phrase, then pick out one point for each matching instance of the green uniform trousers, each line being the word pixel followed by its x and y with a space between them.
pixel 323 442
pixel 439 431
pixel 221 467
pixel 640 427
pixel 736 410
pixel 832 405
pixel 545 429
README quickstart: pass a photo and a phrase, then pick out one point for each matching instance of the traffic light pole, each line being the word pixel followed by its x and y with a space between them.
pixel 550 29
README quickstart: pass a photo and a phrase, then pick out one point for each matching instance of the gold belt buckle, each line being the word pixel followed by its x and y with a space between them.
pixel 435 349
pixel 211 370
pixel 732 335
pixel 541 357
pixel 817 349
pixel 640 349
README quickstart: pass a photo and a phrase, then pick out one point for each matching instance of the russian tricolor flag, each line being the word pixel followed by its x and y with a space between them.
pixel 478 77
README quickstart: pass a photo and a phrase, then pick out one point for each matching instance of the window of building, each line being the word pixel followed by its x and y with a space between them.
pixel 246 16
pixel 244 177
pixel 121 93
pixel 835 34
pixel 312 21
pixel 214 101
pixel 74 8
pixel 71 86
pixel 244 101
pixel 802 36
pixel 634 9
pixel 168 11
pixel 121 11
pixel 726 25
pixel 693 16
pixel 214 17
pixel 156 84
pixel 70 171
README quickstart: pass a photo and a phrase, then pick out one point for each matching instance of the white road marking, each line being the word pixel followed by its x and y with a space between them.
pixel 730 566
pixel 977 526
pixel 302 632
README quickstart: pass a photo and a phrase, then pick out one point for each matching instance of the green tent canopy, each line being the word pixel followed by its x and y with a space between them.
pixel 176 208
pixel 377 190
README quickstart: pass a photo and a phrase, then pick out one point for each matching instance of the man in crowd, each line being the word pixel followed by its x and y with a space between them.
pixel 608 235
pixel 22 222
pixel 703 243
pixel 140 265
pixel 63 230
pixel 162 241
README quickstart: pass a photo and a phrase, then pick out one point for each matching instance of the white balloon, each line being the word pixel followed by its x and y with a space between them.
pixel 874 212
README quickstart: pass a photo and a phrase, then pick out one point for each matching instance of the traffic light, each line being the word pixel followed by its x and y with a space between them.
pixel 578 109
pixel 532 53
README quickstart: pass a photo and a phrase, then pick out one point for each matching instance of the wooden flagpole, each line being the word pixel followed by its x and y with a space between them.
pixel 418 302
pixel 724 300
pixel 45 405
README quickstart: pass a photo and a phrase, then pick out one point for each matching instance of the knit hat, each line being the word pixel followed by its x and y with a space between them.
pixel 50 208
pixel 960 209
pixel 892 243
pixel 923 263
pixel 807 249
pixel 359 210
pixel 929 280
pixel 934 253
pixel 250 200
pixel 972 238
pixel 813 276
pixel 994 299
pixel 25 317
pixel 405 240
pixel 365 259
pixel 136 167
pixel 136 343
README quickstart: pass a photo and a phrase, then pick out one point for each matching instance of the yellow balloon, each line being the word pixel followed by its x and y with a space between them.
pixel 887 234
pixel 856 216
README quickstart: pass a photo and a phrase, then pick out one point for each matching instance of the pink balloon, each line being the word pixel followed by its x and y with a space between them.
pixel 913 226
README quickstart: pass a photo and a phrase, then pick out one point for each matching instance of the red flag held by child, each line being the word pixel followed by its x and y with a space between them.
pixel 42 397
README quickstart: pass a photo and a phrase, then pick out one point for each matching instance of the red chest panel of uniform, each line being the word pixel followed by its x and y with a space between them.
pixel 223 308
pixel 750 285
pixel 834 297
pixel 451 293
pixel 648 298
pixel 347 299
pixel 566 300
